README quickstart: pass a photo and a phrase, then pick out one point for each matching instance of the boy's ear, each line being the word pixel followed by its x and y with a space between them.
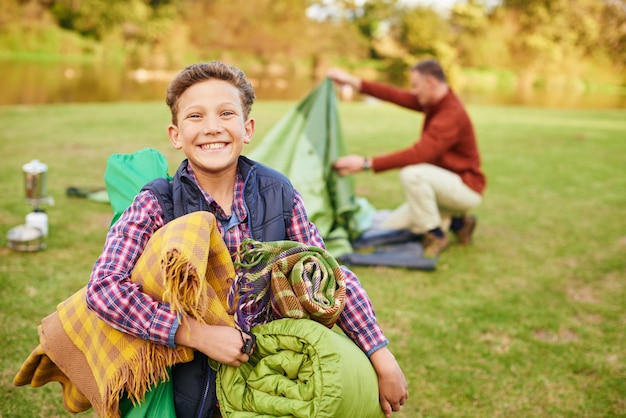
pixel 172 132
pixel 249 127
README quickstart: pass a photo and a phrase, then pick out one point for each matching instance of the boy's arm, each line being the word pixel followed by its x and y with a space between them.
pixel 393 389
pixel 358 320
pixel 111 294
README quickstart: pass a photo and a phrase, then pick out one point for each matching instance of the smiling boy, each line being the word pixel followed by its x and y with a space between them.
pixel 210 105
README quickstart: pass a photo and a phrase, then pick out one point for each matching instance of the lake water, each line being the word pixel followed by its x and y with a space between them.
pixel 41 83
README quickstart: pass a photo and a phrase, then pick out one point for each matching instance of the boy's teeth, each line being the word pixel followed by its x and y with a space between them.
pixel 213 146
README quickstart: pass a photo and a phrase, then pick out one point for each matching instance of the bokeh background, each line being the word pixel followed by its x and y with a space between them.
pixel 556 53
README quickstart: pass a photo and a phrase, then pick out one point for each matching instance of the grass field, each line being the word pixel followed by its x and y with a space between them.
pixel 528 322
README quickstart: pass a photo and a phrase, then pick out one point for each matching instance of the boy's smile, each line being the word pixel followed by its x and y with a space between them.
pixel 216 145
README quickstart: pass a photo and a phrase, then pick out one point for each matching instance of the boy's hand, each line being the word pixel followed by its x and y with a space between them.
pixel 392 386
pixel 221 343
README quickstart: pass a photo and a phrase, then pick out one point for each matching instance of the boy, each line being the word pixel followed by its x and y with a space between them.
pixel 210 105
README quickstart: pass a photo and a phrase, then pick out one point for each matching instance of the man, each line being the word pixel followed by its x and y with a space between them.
pixel 441 171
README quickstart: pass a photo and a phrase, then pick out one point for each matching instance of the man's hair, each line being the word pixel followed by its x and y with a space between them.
pixel 430 67
pixel 196 73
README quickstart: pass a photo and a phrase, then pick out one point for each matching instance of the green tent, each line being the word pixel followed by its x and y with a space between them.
pixel 303 146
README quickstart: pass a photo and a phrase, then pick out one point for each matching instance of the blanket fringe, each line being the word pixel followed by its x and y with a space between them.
pixel 185 290
pixel 149 369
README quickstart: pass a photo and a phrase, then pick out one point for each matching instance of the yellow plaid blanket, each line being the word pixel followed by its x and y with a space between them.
pixel 185 264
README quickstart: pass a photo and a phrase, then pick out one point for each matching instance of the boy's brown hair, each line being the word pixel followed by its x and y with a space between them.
pixel 196 73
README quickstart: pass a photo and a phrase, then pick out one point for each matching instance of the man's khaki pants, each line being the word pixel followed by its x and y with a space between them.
pixel 433 196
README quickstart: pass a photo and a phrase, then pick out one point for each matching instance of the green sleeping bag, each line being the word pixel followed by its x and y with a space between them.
pixel 300 369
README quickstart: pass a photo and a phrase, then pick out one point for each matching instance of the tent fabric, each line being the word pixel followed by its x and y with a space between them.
pixel 126 174
pixel 303 145
pixel 299 368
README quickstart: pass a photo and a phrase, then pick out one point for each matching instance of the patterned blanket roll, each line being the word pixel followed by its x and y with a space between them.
pixel 286 279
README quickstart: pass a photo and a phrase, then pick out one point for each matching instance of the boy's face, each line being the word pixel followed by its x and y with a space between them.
pixel 211 128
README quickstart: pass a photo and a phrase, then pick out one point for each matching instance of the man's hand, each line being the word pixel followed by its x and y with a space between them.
pixel 393 390
pixel 341 77
pixel 349 164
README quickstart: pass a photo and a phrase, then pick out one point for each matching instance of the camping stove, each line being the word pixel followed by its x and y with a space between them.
pixel 31 235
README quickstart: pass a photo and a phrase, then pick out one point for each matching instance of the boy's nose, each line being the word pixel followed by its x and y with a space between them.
pixel 212 125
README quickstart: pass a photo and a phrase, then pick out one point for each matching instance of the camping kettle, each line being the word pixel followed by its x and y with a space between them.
pixel 35 181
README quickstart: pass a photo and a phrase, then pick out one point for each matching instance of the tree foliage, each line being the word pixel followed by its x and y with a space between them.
pixel 533 38
pixel 613 34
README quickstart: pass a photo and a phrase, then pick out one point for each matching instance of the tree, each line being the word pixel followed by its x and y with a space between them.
pixel 423 31
pixel 613 34
pixel 472 35
pixel 96 18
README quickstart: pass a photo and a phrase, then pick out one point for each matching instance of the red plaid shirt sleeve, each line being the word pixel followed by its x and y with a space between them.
pixel 112 295
pixel 358 319
pixel 123 305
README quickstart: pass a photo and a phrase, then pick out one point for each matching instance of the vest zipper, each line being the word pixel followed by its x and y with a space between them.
pixel 205 395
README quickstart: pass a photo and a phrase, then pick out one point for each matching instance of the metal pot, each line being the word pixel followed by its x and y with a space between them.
pixel 35 180
pixel 25 238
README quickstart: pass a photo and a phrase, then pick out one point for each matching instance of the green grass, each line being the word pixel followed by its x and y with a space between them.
pixel 528 322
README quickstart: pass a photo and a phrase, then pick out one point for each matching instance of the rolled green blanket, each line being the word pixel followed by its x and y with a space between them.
pixel 300 369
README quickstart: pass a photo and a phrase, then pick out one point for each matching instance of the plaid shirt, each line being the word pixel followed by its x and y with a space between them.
pixel 123 305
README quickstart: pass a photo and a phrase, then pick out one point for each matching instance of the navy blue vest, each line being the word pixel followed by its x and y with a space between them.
pixel 268 196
